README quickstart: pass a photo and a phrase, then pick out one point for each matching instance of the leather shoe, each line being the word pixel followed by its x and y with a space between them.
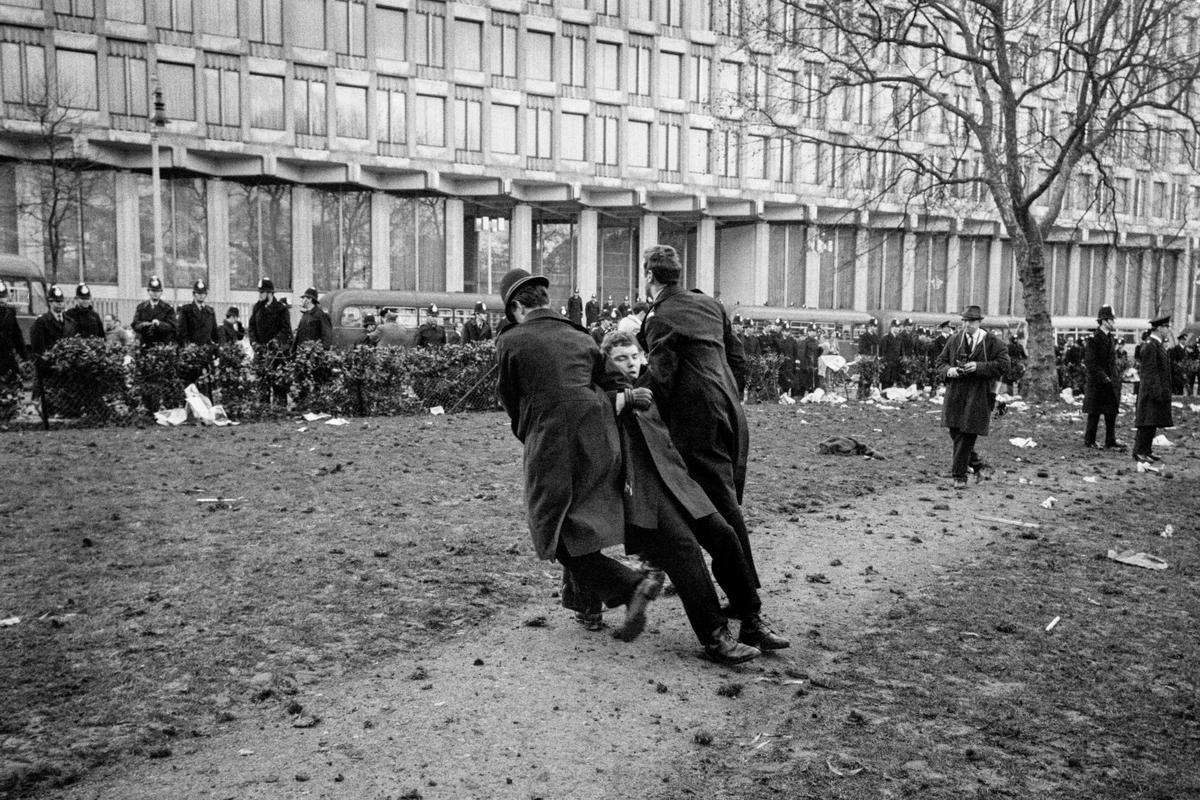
pixel 724 650
pixel 648 589
pixel 1114 446
pixel 960 483
pixel 1092 446
pixel 757 633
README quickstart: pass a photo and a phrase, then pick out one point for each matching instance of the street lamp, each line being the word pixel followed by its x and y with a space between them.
pixel 157 123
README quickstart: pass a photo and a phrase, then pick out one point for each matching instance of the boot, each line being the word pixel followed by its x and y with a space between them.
pixel 757 633
pixel 724 650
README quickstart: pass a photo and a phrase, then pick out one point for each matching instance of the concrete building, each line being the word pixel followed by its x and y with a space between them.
pixel 428 145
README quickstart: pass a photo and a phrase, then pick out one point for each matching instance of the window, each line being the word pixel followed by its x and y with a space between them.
pixel 431 120
pixel 184 212
pixel 699 144
pixel 699 84
pixel 726 17
pixel 639 143
pixel 670 146
pixel 608 8
pixel 538 131
pixel 783 156
pixel 221 92
pixel 728 154
pixel 539 56
pixel 468 120
pixel 390 105
pixel 179 89
pixel 574 137
pixel 350 27
pixel 220 17
pixel 351 108
pixel 308 101
pixel 126 10
pixel 87 245
pixel 468 44
pixel 607 121
pixel 174 15
pixel 24 71
pixel 608 65
pixel 668 12
pixel 306 23
pixel 265 21
pixel 260 235
pixel 417 243
pixel 638 9
pixel 503 33
pixel 77 79
pixel 756 157
pixel 669 74
pixel 391 32
pixel 730 78
pixel 341 239
pixel 430 34
pixel 504 128
pixel 574 55
pixel 127 89
pixel 266 101
pixel 639 64
pixel 75 8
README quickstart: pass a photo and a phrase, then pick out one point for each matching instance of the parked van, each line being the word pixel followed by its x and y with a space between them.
pixel 347 307
pixel 26 289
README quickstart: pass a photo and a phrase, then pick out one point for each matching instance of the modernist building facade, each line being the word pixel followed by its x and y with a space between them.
pixel 432 146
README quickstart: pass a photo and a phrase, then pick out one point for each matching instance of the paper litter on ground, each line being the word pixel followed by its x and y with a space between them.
pixel 1136 559
pixel 1022 442
pixel 1162 441
pixel 336 421
pixel 315 417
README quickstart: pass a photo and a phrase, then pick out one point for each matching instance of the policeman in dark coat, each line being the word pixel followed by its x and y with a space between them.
pixel 810 359
pixel 972 363
pixel 51 326
pixel 478 329
pixel 81 319
pixel 431 333
pixel 1178 355
pixel 1154 398
pixel 154 320
pixel 269 320
pixel 790 355
pixel 591 312
pixel 197 320
pixel 549 384
pixel 1102 382
pixel 890 351
pixel 314 325
pixel 575 308
pixel 12 343
pixel 868 340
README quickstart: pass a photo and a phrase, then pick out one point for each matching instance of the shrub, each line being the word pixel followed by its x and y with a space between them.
pixel 762 378
pixel 315 376
pixel 458 377
pixel 87 378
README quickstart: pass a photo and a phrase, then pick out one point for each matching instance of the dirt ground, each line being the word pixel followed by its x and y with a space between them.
pixel 361 617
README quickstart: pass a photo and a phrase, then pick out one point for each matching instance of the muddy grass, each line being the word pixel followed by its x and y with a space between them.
pixel 348 572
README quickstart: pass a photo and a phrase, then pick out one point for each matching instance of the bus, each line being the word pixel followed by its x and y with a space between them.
pixel 347 307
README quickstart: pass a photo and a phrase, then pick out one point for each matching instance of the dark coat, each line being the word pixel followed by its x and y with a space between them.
pixel 314 326
pixel 966 405
pixel 591 312
pixel 431 334
pixel 697 373
pixel 1154 394
pixel 45 332
pixel 230 332
pixel 144 319
pixel 751 345
pixel 575 309
pixel 791 358
pixel 1102 379
pixel 197 324
pixel 549 384
pixel 868 343
pixel 474 332
pixel 891 348
pixel 12 343
pixel 83 322
pixel 270 322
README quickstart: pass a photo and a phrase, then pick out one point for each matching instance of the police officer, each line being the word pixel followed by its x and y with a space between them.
pixel 575 308
pixel 81 319
pixel 154 320
pixel 591 311
pixel 197 320
pixel 51 326
pixel 478 329
pixel 1154 400
pixel 12 344
pixel 431 333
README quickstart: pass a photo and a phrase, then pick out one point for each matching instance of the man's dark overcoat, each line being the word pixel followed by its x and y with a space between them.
pixel 45 332
pixel 197 324
pixel 84 322
pixel 12 342
pixel 314 326
pixel 966 405
pixel 1154 394
pixel 549 384
pixel 143 323
pixel 270 322
pixel 1102 379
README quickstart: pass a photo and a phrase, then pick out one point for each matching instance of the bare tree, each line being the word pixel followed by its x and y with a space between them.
pixel 953 105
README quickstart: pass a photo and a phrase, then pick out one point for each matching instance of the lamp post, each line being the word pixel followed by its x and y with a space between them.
pixel 157 123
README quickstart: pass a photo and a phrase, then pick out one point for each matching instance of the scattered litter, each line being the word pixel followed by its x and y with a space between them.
pixel 169 417
pixel 315 417
pixel 1162 441
pixel 1006 521
pixel 202 409
pixel 302 429
pixel 899 393
pixel 1053 622
pixel 787 400
pixel 1067 395
pixel 1142 466
pixel 336 421
pixel 436 411
pixel 1049 502
pixel 9 622
pixel 843 772
pixel 1025 442
pixel 1176 404
pixel 1135 559
pixel 224 500
pixel 821 396
pixel 1168 532
pixel 1090 479
pixel 245 752
pixel 846 446
pixel 1194 407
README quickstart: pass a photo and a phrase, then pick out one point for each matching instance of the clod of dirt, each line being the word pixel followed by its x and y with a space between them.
pixel 411 794
pixel 293 708
pixel 301 777
pixel 702 737
pixel 418 674
pixel 86 542
pixel 536 622
pixel 816 577
pixel 661 688
pixel 159 752
pixel 306 721
pixel 478 662
pixel 729 690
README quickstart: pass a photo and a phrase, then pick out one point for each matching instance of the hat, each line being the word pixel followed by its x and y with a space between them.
pixel 908 321
pixel 945 324
pixel 787 326
pixel 894 323
pixel 972 312
pixel 368 319
pixel 432 309
pixel 1105 312
pixel 232 312
pixel 3 289
pixel 311 294
pixel 480 307
pixel 155 285
pixel 1158 322
pixel 82 292
pixel 285 302
pixel 737 319
pixel 266 285
pixel 200 286
pixel 55 295
pixel 514 280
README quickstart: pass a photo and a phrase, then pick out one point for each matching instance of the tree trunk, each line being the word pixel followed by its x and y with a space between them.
pixel 1042 369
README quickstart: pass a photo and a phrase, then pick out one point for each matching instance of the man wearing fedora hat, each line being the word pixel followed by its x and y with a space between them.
pixel 1154 398
pixel 972 362
pixel 550 371
pixel 1102 382
pixel 270 333
pixel 314 325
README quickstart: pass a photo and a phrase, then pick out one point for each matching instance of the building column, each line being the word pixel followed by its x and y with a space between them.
pixel 1183 279
pixel 302 243
pixel 587 266
pixel 520 238
pixel 954 274
pixel 812 266
pixel 862 264
pixel 129 243
pixel 454 244
pixel 706 256
pixel 995 276
pixel 648 237
pixel 30 242
pixel 381 242
pixel 218 241
pixel 761 262
pixel 1074 259
pixel 908 272
pixel 1110 281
